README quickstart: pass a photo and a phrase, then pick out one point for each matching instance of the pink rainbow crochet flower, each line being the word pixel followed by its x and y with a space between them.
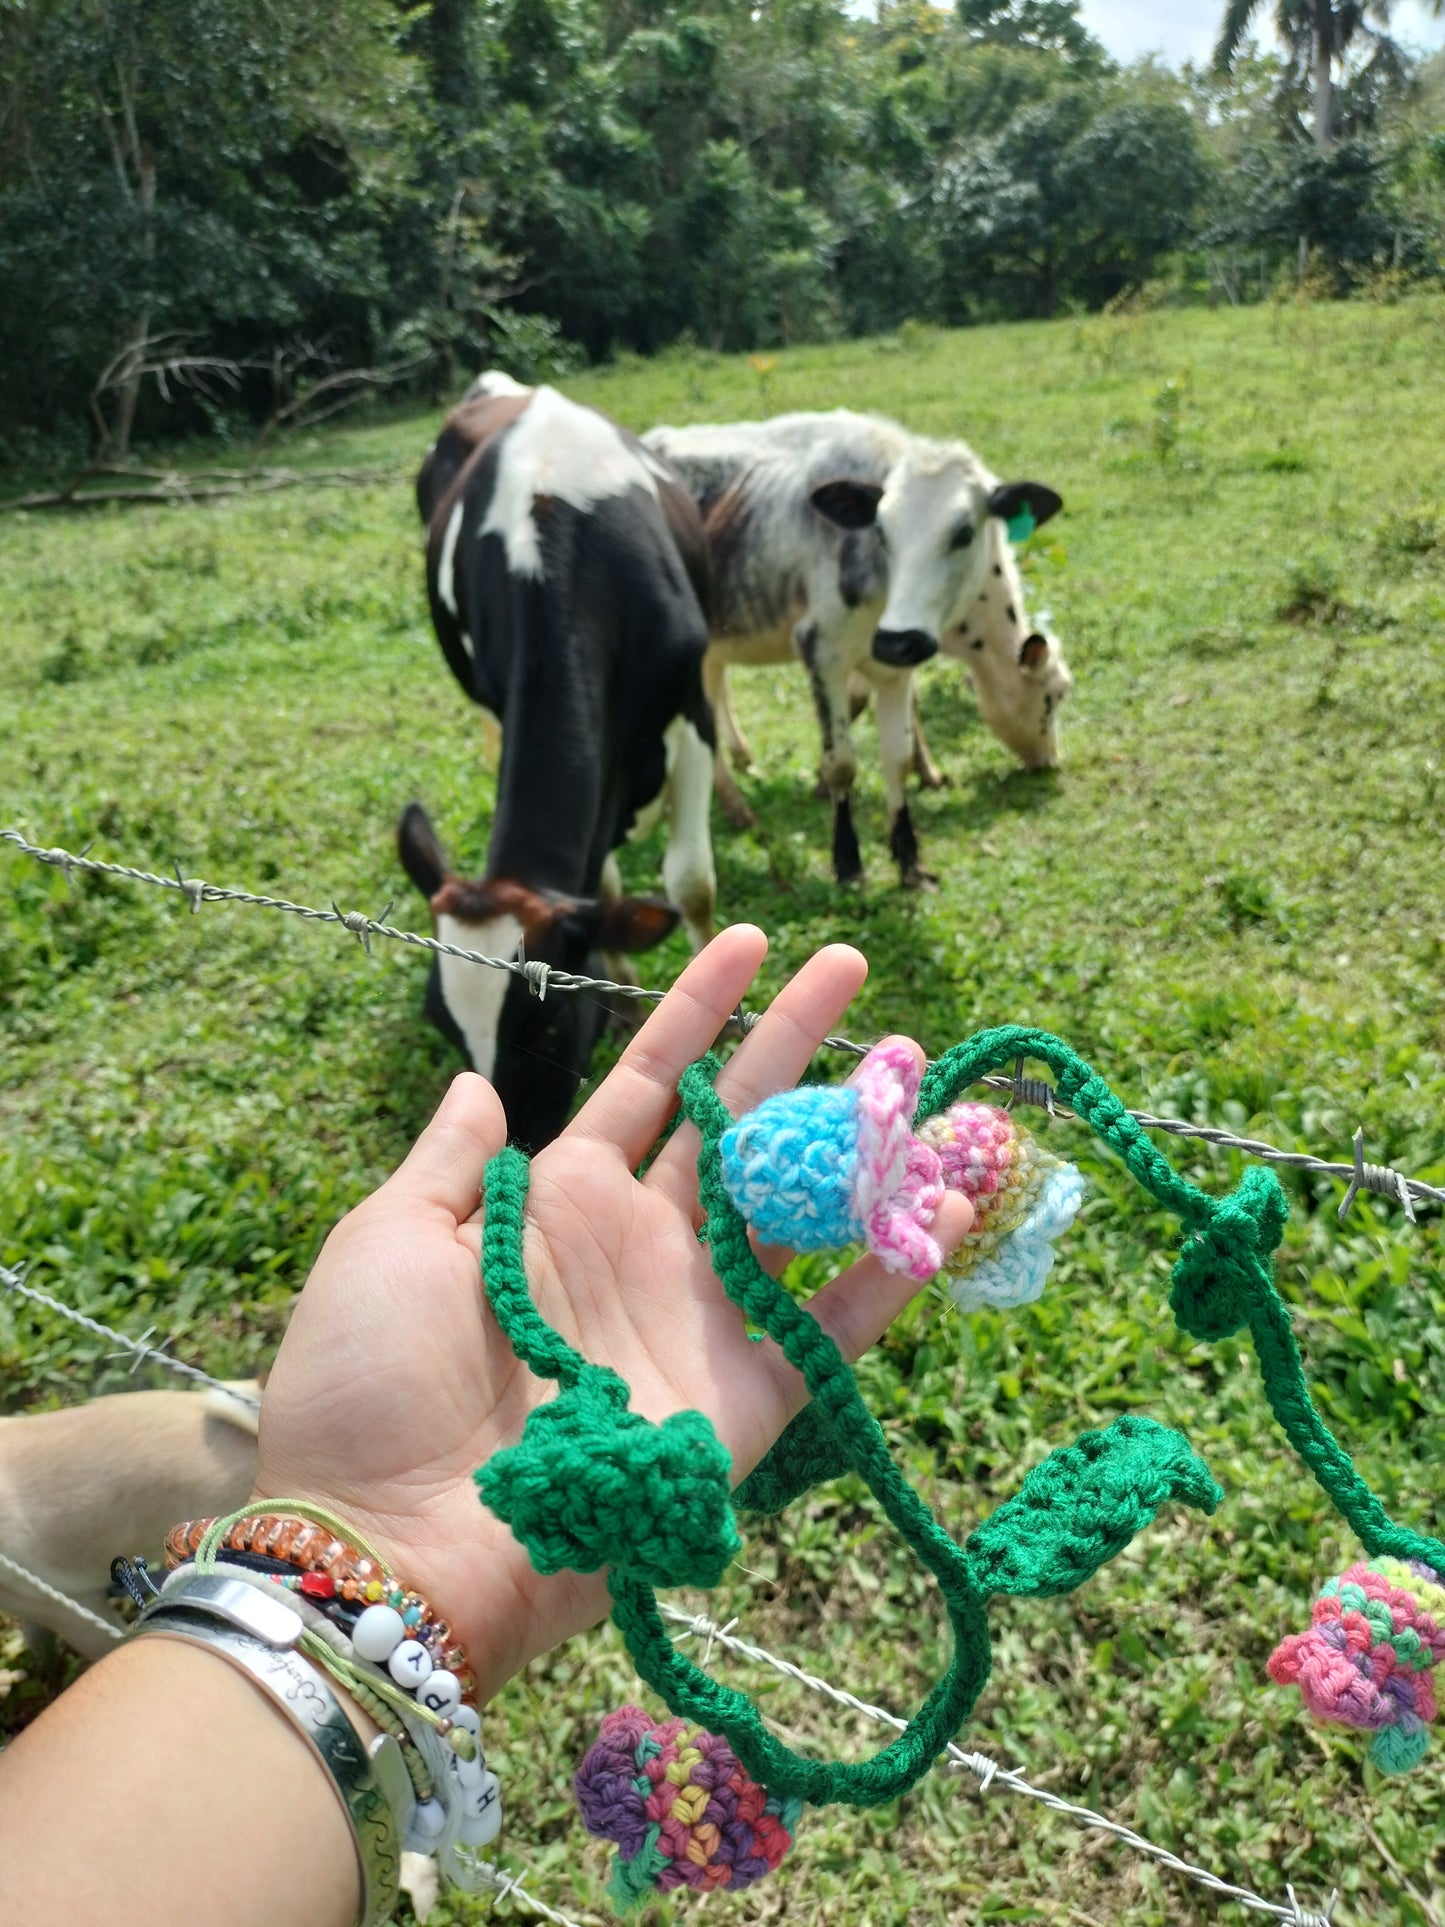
pixel 1376 1634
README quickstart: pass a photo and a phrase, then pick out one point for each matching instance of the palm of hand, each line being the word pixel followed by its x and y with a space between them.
pixel 395 1383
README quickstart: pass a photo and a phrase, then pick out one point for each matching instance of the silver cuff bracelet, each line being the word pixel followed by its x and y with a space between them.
pixel 257 1636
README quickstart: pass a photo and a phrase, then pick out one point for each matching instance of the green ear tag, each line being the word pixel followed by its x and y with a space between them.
pixel 1022 525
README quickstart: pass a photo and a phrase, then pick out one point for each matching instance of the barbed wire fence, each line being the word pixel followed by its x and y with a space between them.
pixel 1358 1175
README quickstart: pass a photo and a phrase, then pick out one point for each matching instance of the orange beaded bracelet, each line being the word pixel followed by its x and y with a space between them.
pixel 334 1570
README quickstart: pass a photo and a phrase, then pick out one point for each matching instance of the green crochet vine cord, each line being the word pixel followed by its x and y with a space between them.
pixel 596 1487
pixel 1223 1281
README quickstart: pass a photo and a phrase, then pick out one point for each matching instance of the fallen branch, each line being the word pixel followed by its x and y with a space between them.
pixel 201 485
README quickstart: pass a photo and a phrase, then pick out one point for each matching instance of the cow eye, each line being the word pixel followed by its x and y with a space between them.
pixel 962 536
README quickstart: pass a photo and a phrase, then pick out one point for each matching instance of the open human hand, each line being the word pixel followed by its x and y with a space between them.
pixel 394 1382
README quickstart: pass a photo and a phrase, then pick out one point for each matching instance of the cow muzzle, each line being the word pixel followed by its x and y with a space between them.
pixel 903 648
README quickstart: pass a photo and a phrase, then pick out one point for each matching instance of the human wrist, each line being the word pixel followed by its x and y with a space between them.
pixel 227 1782
pixel 321 1594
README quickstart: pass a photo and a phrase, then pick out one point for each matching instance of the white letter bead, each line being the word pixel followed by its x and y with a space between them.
pixel 470 1772
pixel 470 1718
pixel 379 1631
pixel 482 1812
pixel 442 1693
pixel 428 1819
pixel 410 1664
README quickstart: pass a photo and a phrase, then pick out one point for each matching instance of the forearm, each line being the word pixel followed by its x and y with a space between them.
pixel 163 1786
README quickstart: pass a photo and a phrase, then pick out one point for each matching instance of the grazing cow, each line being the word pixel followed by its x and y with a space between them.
pixel 864 550
pixel 568 578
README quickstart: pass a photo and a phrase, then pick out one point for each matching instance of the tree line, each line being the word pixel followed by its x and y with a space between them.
pixel 211 211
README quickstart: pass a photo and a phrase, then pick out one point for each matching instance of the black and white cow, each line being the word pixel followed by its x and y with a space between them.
pixel 863 550
pixel 568 578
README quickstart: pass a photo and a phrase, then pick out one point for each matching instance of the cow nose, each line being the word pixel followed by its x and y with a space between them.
pixel 903 648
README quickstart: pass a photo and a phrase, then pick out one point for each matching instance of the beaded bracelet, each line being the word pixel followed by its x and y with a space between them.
pixel 327 1568
pixel 382 1643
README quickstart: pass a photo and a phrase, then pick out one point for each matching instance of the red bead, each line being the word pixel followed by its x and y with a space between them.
pixel 318 1585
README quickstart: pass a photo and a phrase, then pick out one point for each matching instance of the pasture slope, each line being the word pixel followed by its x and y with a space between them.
pixel 1230 899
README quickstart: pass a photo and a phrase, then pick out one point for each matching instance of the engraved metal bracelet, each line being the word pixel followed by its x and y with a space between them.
pixel 258 1636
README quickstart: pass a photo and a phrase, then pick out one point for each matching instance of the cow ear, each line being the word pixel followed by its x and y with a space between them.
pixel 852 505
pixel 1025 506
pixel 1034 652
pixel 420 850
pixel 627 923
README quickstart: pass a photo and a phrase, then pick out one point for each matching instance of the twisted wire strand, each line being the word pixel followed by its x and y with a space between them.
pixel 989 1773
pixel 58 1598
pixel 1380 1180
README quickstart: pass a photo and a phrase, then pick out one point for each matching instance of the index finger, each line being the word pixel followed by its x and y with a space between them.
pixel 632 1105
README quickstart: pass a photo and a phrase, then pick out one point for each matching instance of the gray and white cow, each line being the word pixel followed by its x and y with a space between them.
pixel 863 550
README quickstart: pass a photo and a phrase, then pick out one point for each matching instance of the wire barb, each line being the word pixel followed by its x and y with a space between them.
pixel 1380 1179
pixel 191 888
pixel 537 975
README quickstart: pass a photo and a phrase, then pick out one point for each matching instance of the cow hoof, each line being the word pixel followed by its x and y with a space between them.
pixel 934 779
pixel 741 756
pixel 915 878
pixel 739 816
pixel 851 879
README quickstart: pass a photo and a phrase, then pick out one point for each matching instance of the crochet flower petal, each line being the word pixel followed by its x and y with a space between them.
pixel 1017 1271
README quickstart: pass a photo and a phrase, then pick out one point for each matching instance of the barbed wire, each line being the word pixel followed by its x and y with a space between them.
pixel 989 1773
pixel 14 1281
pixel 1358 1175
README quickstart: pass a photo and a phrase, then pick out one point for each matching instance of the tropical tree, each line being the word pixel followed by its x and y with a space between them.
pixel 1318 35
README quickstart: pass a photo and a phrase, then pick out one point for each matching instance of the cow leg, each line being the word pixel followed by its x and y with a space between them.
pixel 930 776
pixel 688 874
pixel 729 730
pixel 714 682
pixel 893 706
pixel 828 678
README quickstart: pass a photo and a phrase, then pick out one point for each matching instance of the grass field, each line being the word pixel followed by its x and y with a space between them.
pixel 1230 899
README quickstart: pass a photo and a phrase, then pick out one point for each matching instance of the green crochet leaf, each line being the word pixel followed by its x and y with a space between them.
pixel 592 1488
pixel 808 1453
pixel 1083 1505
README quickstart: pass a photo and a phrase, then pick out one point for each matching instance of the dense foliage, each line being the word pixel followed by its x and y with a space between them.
pixel 211 201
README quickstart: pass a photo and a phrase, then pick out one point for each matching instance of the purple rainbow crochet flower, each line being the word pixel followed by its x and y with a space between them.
pixel 680 1807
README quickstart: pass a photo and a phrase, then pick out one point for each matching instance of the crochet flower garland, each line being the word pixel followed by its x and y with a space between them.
pixel 594 1486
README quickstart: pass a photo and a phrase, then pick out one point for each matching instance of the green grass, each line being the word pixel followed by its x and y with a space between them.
pixel 1230 899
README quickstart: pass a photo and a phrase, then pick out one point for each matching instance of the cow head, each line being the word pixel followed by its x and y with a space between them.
pixel 933 515
pixel 1018 672
pixel 533 1050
